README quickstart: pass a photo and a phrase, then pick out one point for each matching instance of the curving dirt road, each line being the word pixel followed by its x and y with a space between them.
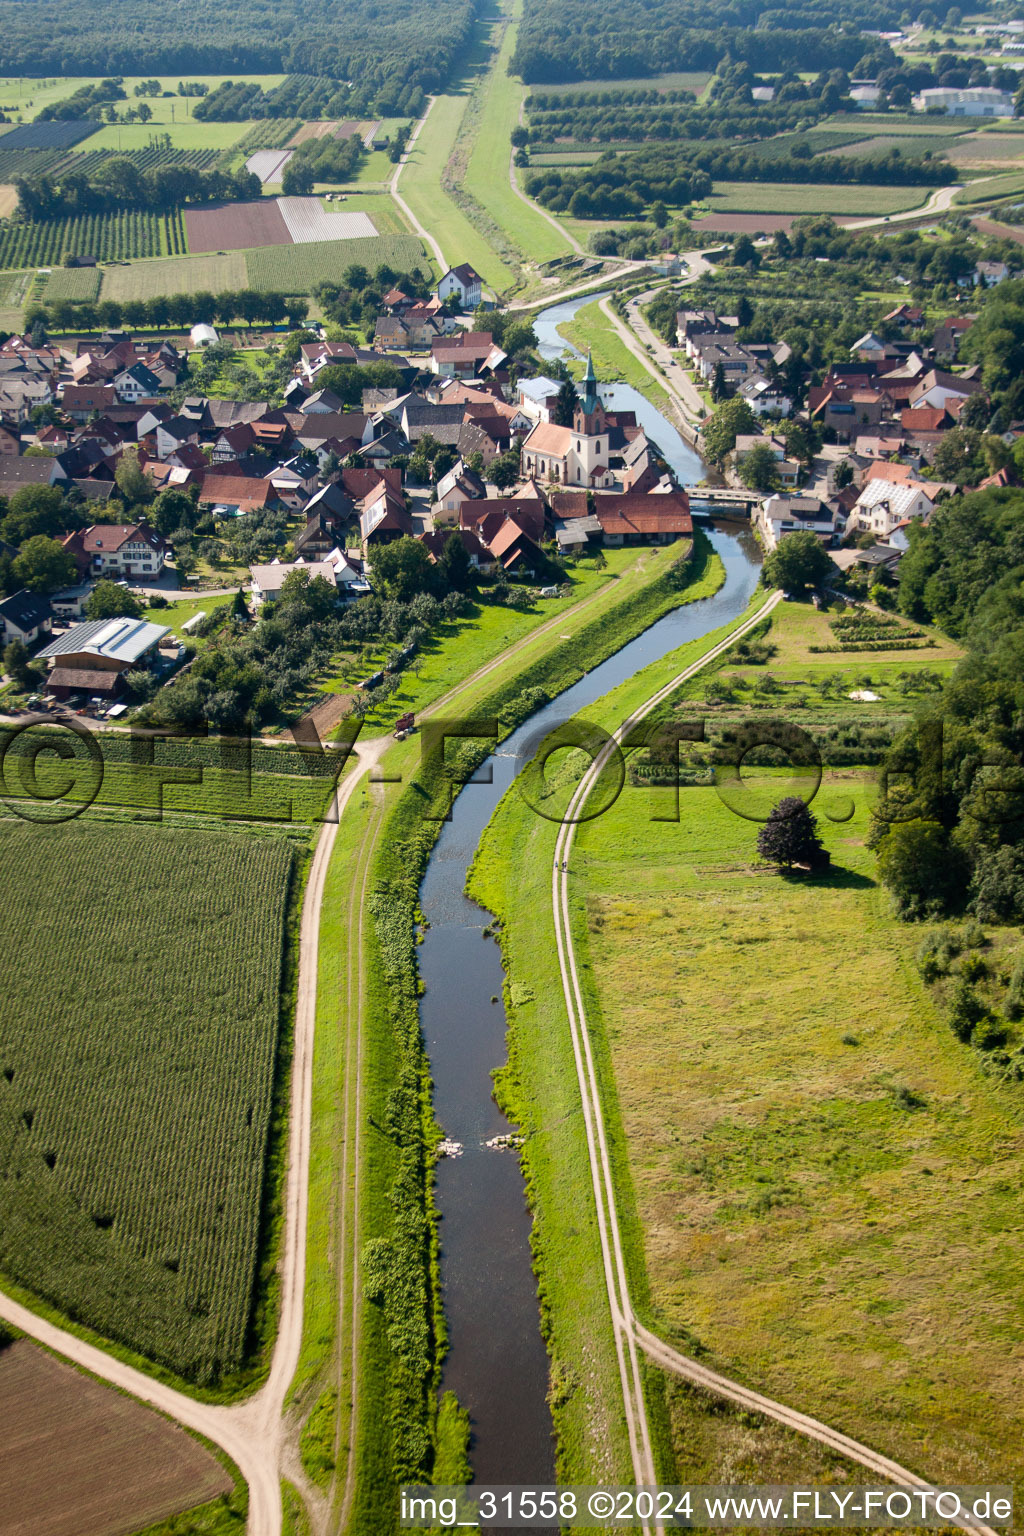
pixel 252 1433
pixel 629 1331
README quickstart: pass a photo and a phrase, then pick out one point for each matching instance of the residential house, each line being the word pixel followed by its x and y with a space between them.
pixel 764 397
pixel 883 504
pixel 267 580
pixel 783 513
pixel 24 616
pixel 464 283
pixel 118 549
pixel 136 383
pixel 938 388
pixel 458 485
pixel 234 495
pixel 80 401
pixel 538 397
pixel 947 337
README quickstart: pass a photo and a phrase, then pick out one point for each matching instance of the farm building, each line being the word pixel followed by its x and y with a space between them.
pixel 977 101
pixel 93 657
pixel 203 336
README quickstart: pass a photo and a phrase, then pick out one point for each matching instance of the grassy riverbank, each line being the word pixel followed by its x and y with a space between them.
pixel 808 1163
pixel 511 876
pixel 402 1330
pixel 591 331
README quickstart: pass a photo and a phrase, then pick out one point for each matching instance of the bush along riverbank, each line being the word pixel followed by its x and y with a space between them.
pixel 401 1436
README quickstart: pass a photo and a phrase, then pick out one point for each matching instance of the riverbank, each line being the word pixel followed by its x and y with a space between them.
pixel 400 1341
pixel 511 877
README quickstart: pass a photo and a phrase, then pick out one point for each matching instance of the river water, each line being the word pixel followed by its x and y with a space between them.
pixel 496 1362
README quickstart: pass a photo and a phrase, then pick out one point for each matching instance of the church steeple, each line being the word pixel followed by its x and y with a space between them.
pixel 589 398
pixel 589 418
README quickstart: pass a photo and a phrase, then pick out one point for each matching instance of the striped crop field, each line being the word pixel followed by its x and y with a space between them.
pixel 138 1048
pixel 296 268
pixel 107 236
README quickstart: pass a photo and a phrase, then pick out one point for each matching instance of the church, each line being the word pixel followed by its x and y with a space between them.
pixel 579 455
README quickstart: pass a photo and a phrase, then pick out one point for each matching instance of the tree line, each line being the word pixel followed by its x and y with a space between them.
pixel 119 183
pixel 180 311
pixel 325 159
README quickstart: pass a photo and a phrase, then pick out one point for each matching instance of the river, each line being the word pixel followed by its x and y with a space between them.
pixel 496 1362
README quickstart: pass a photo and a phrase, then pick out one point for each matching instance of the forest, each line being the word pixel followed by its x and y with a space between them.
pixel 383 50
pixel 612 39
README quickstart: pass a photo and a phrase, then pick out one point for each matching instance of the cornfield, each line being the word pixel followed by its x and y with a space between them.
pixel 138 1036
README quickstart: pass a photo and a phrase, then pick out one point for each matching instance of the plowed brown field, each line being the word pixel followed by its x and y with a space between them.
pixel 235 226
pixel 78 1459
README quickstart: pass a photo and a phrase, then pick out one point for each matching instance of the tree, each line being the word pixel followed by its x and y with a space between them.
pixel 16 665
pixel 745 254
pixel 758 468
pixel 109 600
pixel 719 384
pixel 34 509
pixel 401 569
pixel 454 567
pixel 843 474
pixel 44 565
pixel 799 562
pixel 504 470
pixel 921 869
pixel 728 421
pixel 565 405
pixel 744 311
pixel 135 486
pixel 659 215
pixel 790 835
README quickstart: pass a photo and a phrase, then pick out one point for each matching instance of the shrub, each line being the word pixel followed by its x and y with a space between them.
pixel 973 967
pixel 966 1010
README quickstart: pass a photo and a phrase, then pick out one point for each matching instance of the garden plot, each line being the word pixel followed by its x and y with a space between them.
pixel 268 164
pixel 306 220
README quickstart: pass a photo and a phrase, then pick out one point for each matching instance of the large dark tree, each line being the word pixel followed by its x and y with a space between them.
pixel 790 835
pixel 565 405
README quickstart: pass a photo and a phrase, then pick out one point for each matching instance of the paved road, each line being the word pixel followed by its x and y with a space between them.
pixel 939 202
pixel 630 1333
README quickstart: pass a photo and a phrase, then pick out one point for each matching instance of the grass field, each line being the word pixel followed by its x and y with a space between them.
pixel 420 186
pixel 809 1160
pixel 791 197
pixel 681 80
pixel 138 1051
pixel 185 274
pixel 183 135
pixel 26 97
pixel 114 1466
pixel 487 174
pixel 915 126
pixel 295 268
pixel 841 1162
pixel 991 187
pixel 382 209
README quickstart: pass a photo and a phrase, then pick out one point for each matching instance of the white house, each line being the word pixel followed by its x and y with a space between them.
pixel 780 514
pixel 538 397
pixel 267 580
pixel 764 397
pixel 464 283
pixel 882 506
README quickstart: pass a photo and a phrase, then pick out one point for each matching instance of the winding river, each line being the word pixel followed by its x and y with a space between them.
pixel 496 1361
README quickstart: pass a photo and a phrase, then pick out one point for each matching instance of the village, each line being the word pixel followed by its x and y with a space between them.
pixel 576 477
